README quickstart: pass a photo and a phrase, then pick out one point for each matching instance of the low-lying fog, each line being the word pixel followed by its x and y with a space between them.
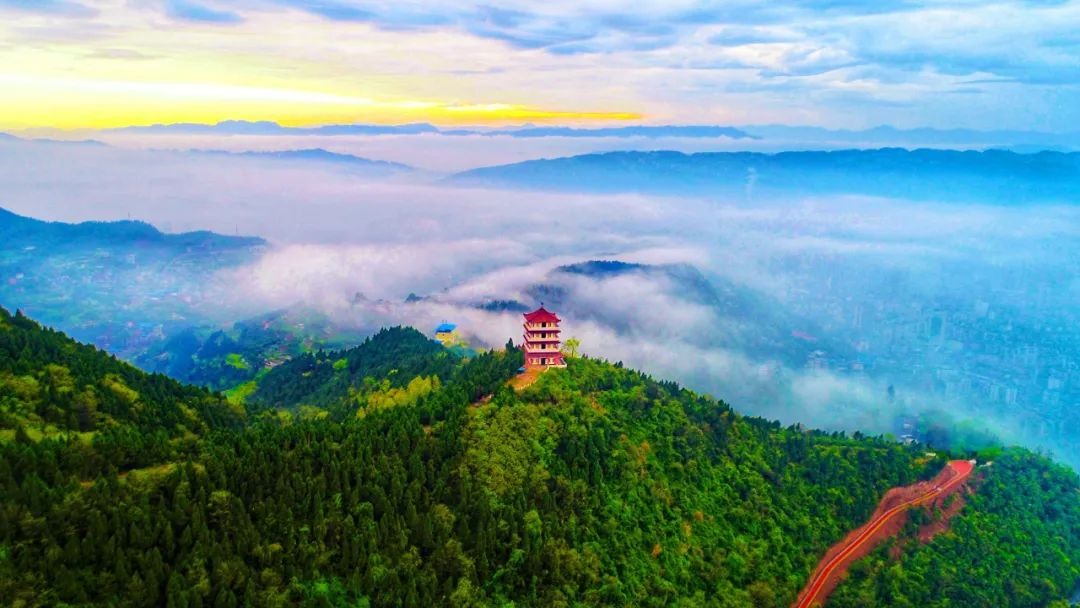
pixel 812 309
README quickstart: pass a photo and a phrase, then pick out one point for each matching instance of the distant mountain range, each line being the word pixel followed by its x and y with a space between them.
pixel 242 127
pixel 266 127
pixel 13 139
pixel 21 231
pixel 689 131
pixel 320 155
pixel 991 176
pixel 367 166
pixel 891 136
pixel 806 136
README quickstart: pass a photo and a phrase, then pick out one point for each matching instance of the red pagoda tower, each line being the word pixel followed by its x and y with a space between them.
pixel 541 344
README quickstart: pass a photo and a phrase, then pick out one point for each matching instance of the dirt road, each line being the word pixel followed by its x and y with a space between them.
pixel 862 541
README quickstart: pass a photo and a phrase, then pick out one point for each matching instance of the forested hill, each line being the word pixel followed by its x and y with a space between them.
pixel 52 385
pixel 222 359
pixel 20 231
pixel 594 486
pixel 328 378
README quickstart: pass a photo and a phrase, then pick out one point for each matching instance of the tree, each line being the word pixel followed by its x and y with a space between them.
pixel 570 347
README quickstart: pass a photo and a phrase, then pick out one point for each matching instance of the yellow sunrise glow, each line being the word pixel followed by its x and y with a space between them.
pixel 98 104
pixel 310 71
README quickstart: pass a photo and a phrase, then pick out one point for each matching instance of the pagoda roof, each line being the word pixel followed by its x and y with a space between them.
pixel 541 315
pixel 445 328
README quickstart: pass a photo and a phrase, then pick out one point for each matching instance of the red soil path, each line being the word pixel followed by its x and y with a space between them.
pixel 522 380
pixel 518 382
pixel 932 529
pixel 888 519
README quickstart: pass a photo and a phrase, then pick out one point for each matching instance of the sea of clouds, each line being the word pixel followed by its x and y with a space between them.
pixel 355 246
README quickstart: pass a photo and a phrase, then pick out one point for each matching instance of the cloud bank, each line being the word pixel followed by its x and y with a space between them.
pixel 802 308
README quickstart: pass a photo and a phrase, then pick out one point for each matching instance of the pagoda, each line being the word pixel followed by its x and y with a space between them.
pixel 541 344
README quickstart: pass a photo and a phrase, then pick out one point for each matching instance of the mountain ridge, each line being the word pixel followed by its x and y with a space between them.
pixel 877 136
pixel 313 155
pixel 993 175
pixel 241 127
pixel 118 285
pixel 21 229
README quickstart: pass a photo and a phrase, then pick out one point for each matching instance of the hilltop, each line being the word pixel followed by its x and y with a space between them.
pixel 437 484
pixel 333 379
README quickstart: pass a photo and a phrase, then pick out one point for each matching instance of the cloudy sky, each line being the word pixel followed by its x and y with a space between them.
pixel 835 63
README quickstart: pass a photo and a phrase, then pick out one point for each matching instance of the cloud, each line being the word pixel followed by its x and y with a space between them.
pixel 66 8
pixel 742 35
pixel 119 54
pixel 1034 44
pixel 868 282
pixel 193 11
pixel 341 11
pixel 849 64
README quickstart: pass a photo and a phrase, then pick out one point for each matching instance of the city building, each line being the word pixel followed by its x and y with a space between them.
pixel 541 337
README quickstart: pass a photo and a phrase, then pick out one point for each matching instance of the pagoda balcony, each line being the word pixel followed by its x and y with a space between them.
pixel 535 338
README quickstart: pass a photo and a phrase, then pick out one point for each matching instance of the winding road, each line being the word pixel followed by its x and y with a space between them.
pixel 961 470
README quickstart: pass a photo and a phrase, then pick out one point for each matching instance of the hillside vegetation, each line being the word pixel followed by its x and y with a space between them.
pixel 49 382
pixel 328 379
pixel 1011 547
pixel 94 409
pixel 428 481
pixel 222 359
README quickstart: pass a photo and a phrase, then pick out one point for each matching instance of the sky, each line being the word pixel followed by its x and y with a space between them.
pixel 836 63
